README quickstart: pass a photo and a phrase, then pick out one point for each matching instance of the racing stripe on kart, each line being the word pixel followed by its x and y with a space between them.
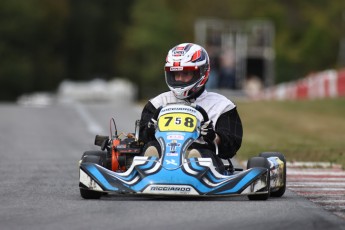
pixel 211 182
pixel 150 167
pixel 195 165
pixel 106 181
pixel 212 178
pixel 238 184
pixel 128 178
pixel 208 179
pixel 93 172
pixel 204 174
pixel 149 164
pixel 193 168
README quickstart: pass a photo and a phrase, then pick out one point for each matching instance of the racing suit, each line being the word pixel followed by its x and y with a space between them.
pixel 220 110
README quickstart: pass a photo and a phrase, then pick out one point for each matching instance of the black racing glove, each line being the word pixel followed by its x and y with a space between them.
pixel 207 131
pixel 151 127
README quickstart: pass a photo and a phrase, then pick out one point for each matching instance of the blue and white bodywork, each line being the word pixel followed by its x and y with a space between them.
pixel 178 126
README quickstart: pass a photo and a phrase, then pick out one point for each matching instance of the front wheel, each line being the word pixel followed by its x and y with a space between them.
pixel 97 157
pixel 280 192
pixel 89 194
pixel 263 163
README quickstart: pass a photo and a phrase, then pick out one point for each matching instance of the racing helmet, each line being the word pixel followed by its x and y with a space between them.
pixel 187 59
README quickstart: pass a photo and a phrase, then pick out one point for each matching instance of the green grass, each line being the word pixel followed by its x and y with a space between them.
pixel 302 130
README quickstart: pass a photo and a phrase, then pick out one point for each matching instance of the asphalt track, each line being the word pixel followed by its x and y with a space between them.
pixel 39 153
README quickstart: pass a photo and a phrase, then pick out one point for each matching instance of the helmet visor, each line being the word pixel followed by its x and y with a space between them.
pixel 181 76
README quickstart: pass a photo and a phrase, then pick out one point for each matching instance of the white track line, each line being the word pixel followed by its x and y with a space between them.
pixel 317 184
pixel 92 126
pixel 315 173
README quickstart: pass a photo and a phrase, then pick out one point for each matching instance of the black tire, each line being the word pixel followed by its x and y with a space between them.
pixel 89 194
pixel 263 163
pixel 97 157
pixel 280 192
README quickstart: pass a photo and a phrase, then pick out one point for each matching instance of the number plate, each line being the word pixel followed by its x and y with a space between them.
pixel 177 122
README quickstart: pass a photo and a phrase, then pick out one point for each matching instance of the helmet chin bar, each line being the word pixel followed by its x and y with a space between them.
pixel 179 91
pixel 188 92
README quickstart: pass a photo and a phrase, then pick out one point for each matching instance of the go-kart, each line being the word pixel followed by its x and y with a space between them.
pixel 120 168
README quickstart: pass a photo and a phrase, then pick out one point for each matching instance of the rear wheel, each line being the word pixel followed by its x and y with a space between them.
pixel 263 163
pixel 280 192
pixel 97 157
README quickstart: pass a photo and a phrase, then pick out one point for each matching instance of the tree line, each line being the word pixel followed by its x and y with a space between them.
pixel 43 42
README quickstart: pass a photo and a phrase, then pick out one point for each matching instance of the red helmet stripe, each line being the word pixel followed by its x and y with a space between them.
pixel 203 81
pixel 196 55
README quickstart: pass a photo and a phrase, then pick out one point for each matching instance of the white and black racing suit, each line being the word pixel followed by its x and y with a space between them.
pixel 220 110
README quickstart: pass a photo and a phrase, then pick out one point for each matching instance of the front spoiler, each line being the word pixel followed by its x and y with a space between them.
pixel 195 177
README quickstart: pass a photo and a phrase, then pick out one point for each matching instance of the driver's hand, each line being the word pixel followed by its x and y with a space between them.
pixel 151 125
pixel 207 131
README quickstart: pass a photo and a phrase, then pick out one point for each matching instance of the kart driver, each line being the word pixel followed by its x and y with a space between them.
pixel 187 70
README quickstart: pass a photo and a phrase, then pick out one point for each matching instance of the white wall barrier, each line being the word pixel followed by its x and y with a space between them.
pixel 325 84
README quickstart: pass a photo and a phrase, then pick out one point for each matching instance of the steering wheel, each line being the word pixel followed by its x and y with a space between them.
pixel 198 108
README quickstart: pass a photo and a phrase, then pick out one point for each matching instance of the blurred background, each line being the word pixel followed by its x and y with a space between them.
pixel 265 42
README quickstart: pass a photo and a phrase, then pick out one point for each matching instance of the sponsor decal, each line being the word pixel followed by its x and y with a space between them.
pixel 172 154
pixel 166 188
pixel 178 52
pixel 171 162
pixel 175 137
pixel 173 146
pixel 176 68
pixel 186 109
